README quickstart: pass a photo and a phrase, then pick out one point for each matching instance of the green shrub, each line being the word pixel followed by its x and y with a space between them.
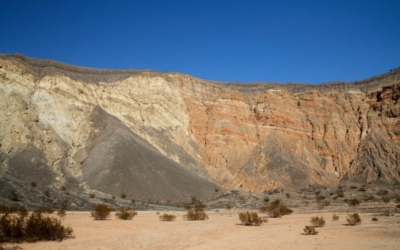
pixel 101 211
pixel 310 230
pixel 335 217
pixel 125 213
pixel 353 219
pixel 250 219
pixel 167 217
pixel 317 221
pixel 276 209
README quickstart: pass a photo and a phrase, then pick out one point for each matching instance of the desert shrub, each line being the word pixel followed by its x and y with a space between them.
pixel 13 196
pixel 133 201
pixel 22 211
pixel 362 189
pixel 197 213
pixel 61 213
pixel 125 213
pixel 317 221
pixel 374 219
pixel 250 219
pixel 36 227
pixel 101 211
pixel 340 193
pixel 228 207
pixel 123 196
pixel 266 199
pixel 276 209
pixel 64 188
pixel 385 199
pixel 320 197
pixel 382 192
pixel 287 195
pixel 310 230
pixel 353 187
pixel 92 195
pixel 33 184
pixel 47 193
pixel 167 217
pixel 44 209
pixel 354 202
pixel 369 198
pixel 145 203
pixel 397 198
pixel 353 219
pixel 335 217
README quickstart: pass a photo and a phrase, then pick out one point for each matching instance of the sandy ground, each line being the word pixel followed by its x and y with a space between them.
pixel 223 231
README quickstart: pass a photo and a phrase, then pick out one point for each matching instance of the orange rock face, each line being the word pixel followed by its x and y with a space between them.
pixel 251 137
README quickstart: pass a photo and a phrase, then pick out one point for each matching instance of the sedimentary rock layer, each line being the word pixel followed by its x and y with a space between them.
pixel 157 135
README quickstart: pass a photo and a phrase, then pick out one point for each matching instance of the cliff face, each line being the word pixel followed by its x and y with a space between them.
pixel 169 134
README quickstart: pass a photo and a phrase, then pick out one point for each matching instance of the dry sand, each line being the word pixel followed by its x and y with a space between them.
pixel 223 231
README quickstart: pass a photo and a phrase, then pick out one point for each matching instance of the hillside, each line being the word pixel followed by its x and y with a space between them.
pixel 168 136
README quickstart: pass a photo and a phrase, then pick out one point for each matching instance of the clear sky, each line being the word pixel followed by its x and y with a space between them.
pixel 226 40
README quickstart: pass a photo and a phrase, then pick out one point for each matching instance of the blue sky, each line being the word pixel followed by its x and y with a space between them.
pixel 225 40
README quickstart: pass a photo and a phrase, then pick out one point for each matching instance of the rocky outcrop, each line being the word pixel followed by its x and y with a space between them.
pixel 165 135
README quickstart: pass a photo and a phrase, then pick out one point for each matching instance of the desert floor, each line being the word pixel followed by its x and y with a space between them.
pixel 223 231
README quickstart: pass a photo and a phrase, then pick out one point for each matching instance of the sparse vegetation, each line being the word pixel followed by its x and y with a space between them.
pixel 198 212
pixel 310 230
pixel 382 192
pixel 354 202
pixel 266 199
pixel 123 196
pixel 101 211
pixel 61 213
pixel 276 209
pixel 335 217
pixel 250 219
pixel 353 219
pixel 44 209
pixel 125 213
pixel 167 217
pixel 33 184
pixel 133 201
pixel 36 227
pixel 92 195
pixel 385 199
pixel 374 219
pixel 317 221
pixel 47 193
pixel 13 196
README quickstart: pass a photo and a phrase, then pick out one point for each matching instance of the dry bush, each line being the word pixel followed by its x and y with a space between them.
pixel 335 217
pixel 374 219
pixel 123 196
pixel 369 198
pixel 198 212
pixel 276 209
pixel 382 192
pixel 310 230
pixel 228 207
pixel 317 221
pixel 353 219
pixel 250 219
pixel 92 195
pixel 125 213
pixel 386 199
pixel 101 211
pixel 44 209
pixel 36 227
pixel 33 184
pixel 354 202
pixel 340 193
pixel 61 213
pixel 167 217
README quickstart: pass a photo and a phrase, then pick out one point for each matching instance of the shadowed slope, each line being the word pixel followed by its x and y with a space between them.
pixel 119 161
